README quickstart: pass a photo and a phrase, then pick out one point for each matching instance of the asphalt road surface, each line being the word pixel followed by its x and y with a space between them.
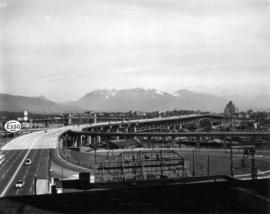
pixel 40 147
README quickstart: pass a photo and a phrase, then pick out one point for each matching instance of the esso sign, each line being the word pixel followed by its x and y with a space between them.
pixel 13 126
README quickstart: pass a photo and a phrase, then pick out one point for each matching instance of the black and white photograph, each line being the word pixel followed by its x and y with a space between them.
pixel 134 106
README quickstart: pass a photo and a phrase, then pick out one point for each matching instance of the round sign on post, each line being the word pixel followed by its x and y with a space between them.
pixel 13 126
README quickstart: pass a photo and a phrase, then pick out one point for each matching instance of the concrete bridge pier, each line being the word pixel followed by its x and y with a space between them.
pixel 197 142
pixel 168 141
pixel 135 130
pixel 74 141
pixel 117 130
pixel 148 142
pixel 174 127
pixel 85 140
pixel 82 140
pixel 98 140
pixel 79 142
pixel 179 143
pixel 89 140
pixel 172 142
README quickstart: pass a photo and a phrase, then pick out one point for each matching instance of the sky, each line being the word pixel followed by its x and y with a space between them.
pixel 63 49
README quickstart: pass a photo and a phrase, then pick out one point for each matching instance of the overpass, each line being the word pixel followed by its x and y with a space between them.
pixel 174 122
pixel 41 148
pixel 255 134
pixel 83 138
pixel 37 146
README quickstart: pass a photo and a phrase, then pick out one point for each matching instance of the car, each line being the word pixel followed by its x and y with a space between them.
pixel 28 162
pixel 19 184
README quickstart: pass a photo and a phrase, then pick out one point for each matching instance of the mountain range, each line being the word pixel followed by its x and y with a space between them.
pixel 41 104
pixel 134 99
pixel 148 100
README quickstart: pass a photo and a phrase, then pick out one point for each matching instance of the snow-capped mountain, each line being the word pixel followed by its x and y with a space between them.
pixel 106 93
pixel 148 100
pixel 137 99
pixel 183 92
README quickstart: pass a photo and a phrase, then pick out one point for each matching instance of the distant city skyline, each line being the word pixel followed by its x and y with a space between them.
pixel 63 49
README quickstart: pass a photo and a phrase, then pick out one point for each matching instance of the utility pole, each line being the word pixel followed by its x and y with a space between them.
pixel 66 151
pixel 50 158
pixel 49 167
pixel 253 168
pixel 231 156
pixel 95 153
pixel 208 165
pixel 35 185
pixel 193 162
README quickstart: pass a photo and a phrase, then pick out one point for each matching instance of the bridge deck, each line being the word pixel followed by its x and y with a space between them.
pixel 175 134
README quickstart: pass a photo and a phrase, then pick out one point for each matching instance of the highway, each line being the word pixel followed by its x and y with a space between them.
pixel 176 134
pixel 38 147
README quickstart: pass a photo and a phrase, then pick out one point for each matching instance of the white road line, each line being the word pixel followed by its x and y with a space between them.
pixel 16 172
pixel 4 175
pixel 6 160
pixel 68 163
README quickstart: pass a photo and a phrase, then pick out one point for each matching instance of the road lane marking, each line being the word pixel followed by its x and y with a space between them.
pixel 16 172
pixel 15 145
pixel 39 162
pixel 32 156
pixel 7 158
pixel 6 171
pixel 68 163
pixel 18 141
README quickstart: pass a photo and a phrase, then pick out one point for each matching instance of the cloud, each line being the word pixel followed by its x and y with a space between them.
pixel 161 44
pixel 4 3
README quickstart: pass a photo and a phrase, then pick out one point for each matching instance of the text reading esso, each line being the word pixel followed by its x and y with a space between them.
pixel 13 126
